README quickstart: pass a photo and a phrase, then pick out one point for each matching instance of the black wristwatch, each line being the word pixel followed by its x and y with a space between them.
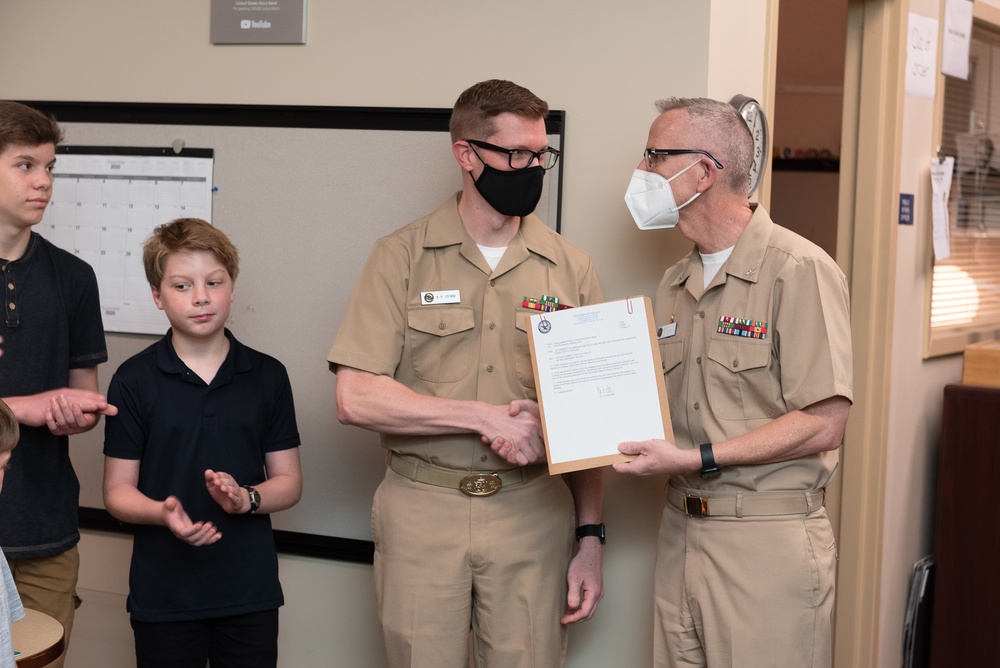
pixel 590 530
pixel 254 499
pixel 708 466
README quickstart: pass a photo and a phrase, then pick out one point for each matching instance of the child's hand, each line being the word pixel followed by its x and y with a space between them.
pixel 65 411
pixel 73 411
pixel 226 491
pixel 192 533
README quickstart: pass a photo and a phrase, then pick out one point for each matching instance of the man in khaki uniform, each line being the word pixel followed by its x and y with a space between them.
pixel 469 528
pixel 754 330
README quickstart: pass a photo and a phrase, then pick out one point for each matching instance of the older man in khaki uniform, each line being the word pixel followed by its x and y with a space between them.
pixel 469 529
pixel 756 348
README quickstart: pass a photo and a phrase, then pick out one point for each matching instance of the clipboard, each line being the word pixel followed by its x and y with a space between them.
pixel 599 380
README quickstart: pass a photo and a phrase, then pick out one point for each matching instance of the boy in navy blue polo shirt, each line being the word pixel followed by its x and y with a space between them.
pixel 205 445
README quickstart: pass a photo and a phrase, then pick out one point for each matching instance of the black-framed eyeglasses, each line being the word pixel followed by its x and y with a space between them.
pixel 654 156
pixel 521 158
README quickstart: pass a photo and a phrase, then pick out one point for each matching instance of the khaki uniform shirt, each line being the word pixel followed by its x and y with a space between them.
pixel 771 334
pixel 472 346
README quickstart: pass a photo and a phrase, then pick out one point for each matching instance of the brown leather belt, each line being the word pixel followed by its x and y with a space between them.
pixel 703 503
pixel 471 483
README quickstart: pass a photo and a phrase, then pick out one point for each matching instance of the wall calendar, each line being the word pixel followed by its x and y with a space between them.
pixel 107 200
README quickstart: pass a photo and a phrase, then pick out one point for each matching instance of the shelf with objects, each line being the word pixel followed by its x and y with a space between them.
pixel 804 160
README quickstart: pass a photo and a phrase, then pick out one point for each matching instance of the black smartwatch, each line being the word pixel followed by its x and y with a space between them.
pixel 708 466
pixel 590 530
pixel 254 499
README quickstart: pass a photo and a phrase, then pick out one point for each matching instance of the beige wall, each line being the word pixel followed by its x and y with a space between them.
pixel 604 63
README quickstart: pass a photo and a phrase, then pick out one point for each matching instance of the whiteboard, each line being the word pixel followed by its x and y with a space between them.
pixel 303 192
pixel 106 201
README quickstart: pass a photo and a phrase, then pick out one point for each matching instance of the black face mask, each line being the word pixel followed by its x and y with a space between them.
pixel 514 193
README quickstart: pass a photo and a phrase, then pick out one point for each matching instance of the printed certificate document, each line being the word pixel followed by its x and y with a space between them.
pixel 599 380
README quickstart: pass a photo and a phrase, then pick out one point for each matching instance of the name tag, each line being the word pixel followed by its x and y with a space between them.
pixel 666 331
pixel 440 297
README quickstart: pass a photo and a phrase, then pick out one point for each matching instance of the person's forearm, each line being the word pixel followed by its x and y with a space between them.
pixel 21 407
pixel 128 504
pixel 277 493
pixel 398 410
pixel 382 404
pixel 587 488
pixel 814 429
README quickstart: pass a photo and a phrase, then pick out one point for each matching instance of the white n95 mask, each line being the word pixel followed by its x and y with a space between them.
pixel 651 202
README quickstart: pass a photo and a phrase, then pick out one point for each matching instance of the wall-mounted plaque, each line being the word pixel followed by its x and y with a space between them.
pixel 258 21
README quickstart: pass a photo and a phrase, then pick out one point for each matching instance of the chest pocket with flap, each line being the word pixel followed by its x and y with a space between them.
pixel 739 381
pixel 671 354
pixel 440 341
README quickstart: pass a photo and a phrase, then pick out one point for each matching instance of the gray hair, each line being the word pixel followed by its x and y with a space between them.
pixel 723 133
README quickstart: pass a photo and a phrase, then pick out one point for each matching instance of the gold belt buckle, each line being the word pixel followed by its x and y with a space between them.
pixel 696 506
pixel 480 484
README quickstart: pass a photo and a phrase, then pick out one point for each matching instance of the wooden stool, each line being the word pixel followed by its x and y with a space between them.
pixel 38 639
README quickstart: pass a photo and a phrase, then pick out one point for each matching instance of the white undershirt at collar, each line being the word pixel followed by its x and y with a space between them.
pixel 492 255
pixel 713 263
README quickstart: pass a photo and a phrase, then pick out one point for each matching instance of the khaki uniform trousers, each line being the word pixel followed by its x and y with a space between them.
pixel 48 584
pixel 750 592
pixel 446 563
